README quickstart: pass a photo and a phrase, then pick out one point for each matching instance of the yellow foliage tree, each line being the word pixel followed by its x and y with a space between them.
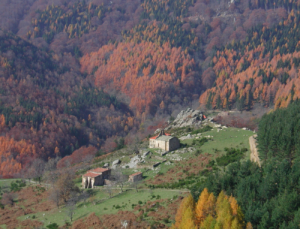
pixel 187 203
pixel 188 219
pixel 201 207
pixel 223 213
pixel 249 226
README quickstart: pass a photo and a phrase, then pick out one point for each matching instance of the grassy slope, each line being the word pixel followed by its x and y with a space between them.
pixel 125 200
pixel 230 137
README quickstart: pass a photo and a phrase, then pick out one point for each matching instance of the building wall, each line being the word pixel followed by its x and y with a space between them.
pixel 152 143
pixel 161 144
pixel 106 174
pixel 135 178
pixel 84 182
pixel 99 180
pixel 90 182
pixel 174 144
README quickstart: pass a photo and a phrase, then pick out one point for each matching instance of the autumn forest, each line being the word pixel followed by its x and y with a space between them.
pixel 79 73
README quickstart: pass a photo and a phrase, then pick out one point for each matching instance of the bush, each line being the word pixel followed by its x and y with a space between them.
pixel 202 130
pixel 211 163
pixel 198 152
pixel 17 185
pixel 166 220
pixel 52 226
pixel 232 155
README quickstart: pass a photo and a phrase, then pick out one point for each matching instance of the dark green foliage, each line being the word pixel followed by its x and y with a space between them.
pixel 53 226
pixel 268 196
pixel 174 34
pixel 11 118
pixel 88 98
pixel 286 35
pixel 17 185
pixel 202 130
pixel 56 19
pixel 232 155
pixel 161 11
pixel 279 133
pixel 199 142
pixel 211 163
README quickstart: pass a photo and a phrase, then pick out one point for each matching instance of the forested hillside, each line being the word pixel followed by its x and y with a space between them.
pixel 268 195
pixel 47 109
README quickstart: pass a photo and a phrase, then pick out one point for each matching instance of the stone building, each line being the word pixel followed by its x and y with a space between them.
pixel 135 177
pixel 95 177
pixel 164 141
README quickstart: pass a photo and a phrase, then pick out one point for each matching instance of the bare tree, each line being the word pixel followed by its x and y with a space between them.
pixel 55 196
pixel 119 177
pixel 84 196
pixel 109 189
pixel 8 198
pixel 70 209
pixel 135 185
pixel 51 173
pixel 66 186
pixel 36 169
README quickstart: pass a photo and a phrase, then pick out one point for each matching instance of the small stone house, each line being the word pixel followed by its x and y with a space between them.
pixel 95 177
pixel 135 177
pixel 164 141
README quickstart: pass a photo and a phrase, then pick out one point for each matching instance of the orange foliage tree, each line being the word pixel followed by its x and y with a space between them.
pixel 209 212
pixel 146 72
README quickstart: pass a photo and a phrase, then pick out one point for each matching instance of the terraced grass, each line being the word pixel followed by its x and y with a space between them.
pixel 123 200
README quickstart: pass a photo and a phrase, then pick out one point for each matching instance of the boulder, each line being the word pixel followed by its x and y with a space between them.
pixel 116 162
pixel 188 117
pixel 157 131
pixel 146 154
pixel 106 165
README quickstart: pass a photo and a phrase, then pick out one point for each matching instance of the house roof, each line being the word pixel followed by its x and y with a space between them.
pixel 154 137
pixel 89 174
pixel 164 138
pixel 135 174
pixel 99 170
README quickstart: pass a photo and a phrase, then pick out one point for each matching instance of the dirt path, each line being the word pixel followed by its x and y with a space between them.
pixel 254 153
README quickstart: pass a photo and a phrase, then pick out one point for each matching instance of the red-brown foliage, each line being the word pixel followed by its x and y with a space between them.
pixel 82 154
pixel 146 72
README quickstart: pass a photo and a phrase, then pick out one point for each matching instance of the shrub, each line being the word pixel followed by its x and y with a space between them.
pixel 52 226
pixel 232 155
pixel 202 130
pixel 166 220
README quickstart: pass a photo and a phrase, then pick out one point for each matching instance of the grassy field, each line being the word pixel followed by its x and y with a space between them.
pixel 229 137
pixel 6 182
pixel 121 201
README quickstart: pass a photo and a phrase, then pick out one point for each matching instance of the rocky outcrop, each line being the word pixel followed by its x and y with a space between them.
pixel 188 117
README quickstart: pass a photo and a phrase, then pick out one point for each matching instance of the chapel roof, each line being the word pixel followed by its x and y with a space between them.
pixel 135 174
pixel 99 170
pixel 89 174
pixel 164 138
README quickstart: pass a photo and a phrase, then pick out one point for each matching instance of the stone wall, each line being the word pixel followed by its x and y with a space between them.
pixel 135 178
pixel 174 144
